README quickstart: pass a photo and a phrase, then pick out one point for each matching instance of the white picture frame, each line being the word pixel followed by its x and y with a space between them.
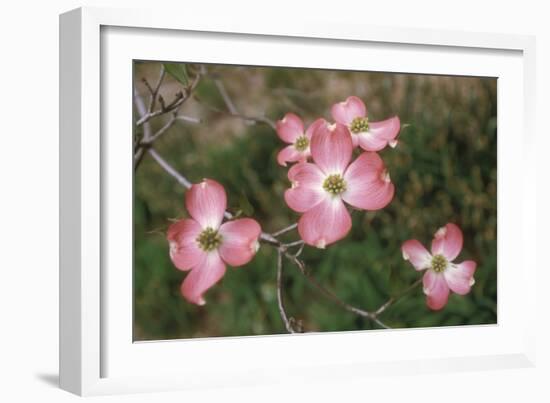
pixel 97 356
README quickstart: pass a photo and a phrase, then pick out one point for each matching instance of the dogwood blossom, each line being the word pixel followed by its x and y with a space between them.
pixel 203 245
pixel 441 275
pixel 291 130
pixel 320 189
pixel 370 136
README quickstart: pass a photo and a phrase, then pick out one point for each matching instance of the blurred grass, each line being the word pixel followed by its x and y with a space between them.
pixel 444 170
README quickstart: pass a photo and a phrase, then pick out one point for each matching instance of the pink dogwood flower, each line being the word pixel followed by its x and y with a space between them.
pixel 319 189
pixel 203 245
pixel 291 130
pixel 442 275
pixel 370 136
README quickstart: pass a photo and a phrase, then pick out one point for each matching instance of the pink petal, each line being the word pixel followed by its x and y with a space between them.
pixel 202 277
pixel 447 242
pixel 380 134
pixel 312 127
pixel 331 148
pixel 436 290
pixel 307 191
pixel 206 202
pixel 290 154
pixel 354 140
pixel 290 128
pixel 460 277
pixel 184 249
pixel 324 224
pixel 369 142
pixel 368 184
pixel 386 129
pixel 351 108
pixel 239 241
pixel 416 253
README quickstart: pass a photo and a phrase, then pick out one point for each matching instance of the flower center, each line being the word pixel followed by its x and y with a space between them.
pixel 335 184
pixel 209 239
pixel 301 143
pixel 439 263
pixel 359 125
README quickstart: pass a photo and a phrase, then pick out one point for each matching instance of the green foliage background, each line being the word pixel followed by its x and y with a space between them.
pixel 444 170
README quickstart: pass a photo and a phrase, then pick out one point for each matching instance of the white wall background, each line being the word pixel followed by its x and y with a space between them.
pixel 29 198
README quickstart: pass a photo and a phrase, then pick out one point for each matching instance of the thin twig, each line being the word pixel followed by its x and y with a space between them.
pixel 392 300
pixel 175 104
pixel 148 141
pixel 189 119
pixel 256 119
pixel 155 91
pixel 285 230
pixel 138 156
pixel 329 294
pixel 182 180
pixel 282 311
pixel 295 243
pixel 140 106
pixel 148 138
pixel 300 250
pixel 226 98
pixel 164 128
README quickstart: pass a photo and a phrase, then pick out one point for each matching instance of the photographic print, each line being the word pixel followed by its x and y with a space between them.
pixel 271 200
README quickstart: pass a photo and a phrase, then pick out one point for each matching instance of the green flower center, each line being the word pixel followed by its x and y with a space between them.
pixel 439 263
pixel 335 184
pixel 359 125
pixel 209 239
pixel 301 143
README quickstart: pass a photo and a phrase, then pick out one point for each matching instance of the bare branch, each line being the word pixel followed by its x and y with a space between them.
pixel 164 128
pixel 255 119
pixel 147 143
pixel 300 250
pixel 226 99
pixel 285 230
pixel 155 91
pixel 329 294
pixel 392 300
pixel 140 106
pixel 282 311
pixel 189 119
pixel 168 168
pixel 175 104
pixel 148 138
pixel 295 243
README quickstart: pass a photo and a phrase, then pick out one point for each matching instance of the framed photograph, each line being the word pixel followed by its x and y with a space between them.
pixel 245 203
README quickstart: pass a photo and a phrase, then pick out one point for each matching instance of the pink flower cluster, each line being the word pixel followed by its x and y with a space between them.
pixel 325 180
pixel 322 188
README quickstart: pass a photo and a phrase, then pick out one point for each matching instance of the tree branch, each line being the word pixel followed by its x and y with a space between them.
pixel 285 230
pixel 282 311
pixel 330 295
pixel 182 180
pixel 176 103
pixel 393 299
pixel 155 91
pixel 255 119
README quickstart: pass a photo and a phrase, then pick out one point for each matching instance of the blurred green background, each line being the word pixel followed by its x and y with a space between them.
pixel 444 170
